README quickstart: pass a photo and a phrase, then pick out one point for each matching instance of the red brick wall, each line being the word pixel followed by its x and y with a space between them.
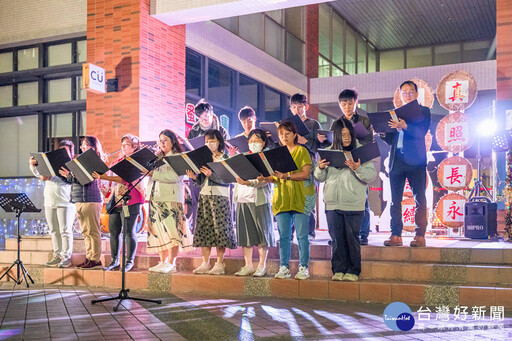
pixel 148 58
pixel 504 50
pixel 312 15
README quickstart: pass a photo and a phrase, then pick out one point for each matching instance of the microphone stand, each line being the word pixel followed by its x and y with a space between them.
pixel 124 293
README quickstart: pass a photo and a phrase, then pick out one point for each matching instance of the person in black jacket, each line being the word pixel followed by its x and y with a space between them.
pixel 206 120
pixel 89 201
pixel 347 100
pixel 408 160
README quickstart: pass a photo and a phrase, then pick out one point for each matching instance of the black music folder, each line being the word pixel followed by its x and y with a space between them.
pixel 49 164
pixel 327 133
pixel 277 159
pixel 192 160
pixel 85 164
pixel 360 131
pixel 234 167
pixel 240 142
pixel 131 167
pixel 409 112
pixel 301 128
pixel 272 129
pixel 337 158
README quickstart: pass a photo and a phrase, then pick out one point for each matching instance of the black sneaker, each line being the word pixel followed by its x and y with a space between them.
pixel 363 241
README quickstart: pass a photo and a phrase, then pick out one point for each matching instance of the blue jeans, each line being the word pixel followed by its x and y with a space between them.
pixel 365 224
pixel 284 225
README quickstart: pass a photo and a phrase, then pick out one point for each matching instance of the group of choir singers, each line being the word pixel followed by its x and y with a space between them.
pixel 290 198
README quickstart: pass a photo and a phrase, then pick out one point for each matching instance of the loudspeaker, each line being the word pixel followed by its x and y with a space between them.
pixel 481 218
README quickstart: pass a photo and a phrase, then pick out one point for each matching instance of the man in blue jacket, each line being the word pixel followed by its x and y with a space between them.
pixel 408 160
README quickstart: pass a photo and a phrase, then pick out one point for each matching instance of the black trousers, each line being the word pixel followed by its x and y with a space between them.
pixel 344 231
pixel 417 177
pixel 115 226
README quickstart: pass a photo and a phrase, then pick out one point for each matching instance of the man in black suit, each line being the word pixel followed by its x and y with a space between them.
pixel 408 160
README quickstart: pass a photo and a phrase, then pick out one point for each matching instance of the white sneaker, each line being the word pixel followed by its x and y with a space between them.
pixel 303 273
pixel 168 268
pixel 283 273
pixel 338 276
pixel 218 269
pixel 157 267
pixel 204 268
pixel 260 272
pixel 245 271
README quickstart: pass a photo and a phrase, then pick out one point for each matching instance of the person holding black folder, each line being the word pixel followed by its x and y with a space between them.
pixel 167 227
pixel 254 222
pixel 206 120
pixel 59 211
pixel 89 201
pixel 129 145
pixel 344 197
pixel 214 225
pixel 293 200
pixel 408 160
pixel 347 100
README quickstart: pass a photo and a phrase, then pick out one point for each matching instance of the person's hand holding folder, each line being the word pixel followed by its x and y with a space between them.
pixel 352 164
pixel 191 174
pixel 322 164
pixel 398 125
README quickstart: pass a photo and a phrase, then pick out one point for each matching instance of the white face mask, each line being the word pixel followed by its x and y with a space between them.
pixel 213 146
pixel 256 147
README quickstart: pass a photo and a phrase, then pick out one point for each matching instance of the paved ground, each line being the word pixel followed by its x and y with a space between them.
pixel 65 313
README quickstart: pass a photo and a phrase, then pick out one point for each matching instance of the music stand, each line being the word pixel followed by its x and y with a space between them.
pixel 123 294
pixel 17 203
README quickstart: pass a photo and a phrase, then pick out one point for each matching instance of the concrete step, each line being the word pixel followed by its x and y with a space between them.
pixel 414 294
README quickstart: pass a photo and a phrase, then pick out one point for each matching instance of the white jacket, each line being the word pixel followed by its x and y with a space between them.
pixel 165 184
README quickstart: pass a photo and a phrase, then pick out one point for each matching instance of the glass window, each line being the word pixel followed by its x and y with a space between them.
pixel 350 50
pixel 336 71
pixel 250 28
pixel 28 58
pixel 323 31
pixel 80 93
pixel 193 73
pixel 6 96
pixel 61 125
pixel 59 54
pixel 274 39
pixel 294 53
pixel 6 62
pixel 219 84
pixel 361 55
pixel 324 67
pixel 277 15
pixel 83 122
pixel 391 60
pixel 228 23
pixel 295 21
pixel 419 57
pixel 372 59
pixel 447 54
pixel 28 93
pixel 272 105
pixel 59 90
pixel 476 50
pixel 247 93
pixel 337 40
pixel 81 52
pixel 21 132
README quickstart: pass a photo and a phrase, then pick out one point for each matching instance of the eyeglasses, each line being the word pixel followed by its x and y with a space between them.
pixel 410 93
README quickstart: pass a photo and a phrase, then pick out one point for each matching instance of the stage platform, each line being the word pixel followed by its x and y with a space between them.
pixel 449 271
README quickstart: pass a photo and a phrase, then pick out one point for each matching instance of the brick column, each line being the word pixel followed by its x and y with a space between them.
pixel 148 58
pixel 312 50
pixel 504 50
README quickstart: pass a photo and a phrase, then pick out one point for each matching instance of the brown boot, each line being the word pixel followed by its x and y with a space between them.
pixel 418 241
pixel 393 241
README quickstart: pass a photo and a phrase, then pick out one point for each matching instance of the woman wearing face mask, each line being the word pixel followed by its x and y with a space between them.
pixel 344 197
pixel 214 226
pixel 254 213
pixel 116 220
pixel 167 230
pixel 89 201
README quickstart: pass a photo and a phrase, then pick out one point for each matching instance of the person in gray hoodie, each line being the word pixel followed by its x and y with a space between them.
pixel 344 198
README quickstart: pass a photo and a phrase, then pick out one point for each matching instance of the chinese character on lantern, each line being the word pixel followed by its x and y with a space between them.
pixel 453 210
pixel 456 133
pixel 456 92
pixel 454 174
pixel 408 215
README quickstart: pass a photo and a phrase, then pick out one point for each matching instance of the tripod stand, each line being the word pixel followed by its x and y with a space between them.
pixel 123 294
pixel 475 192
pixel 17 203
